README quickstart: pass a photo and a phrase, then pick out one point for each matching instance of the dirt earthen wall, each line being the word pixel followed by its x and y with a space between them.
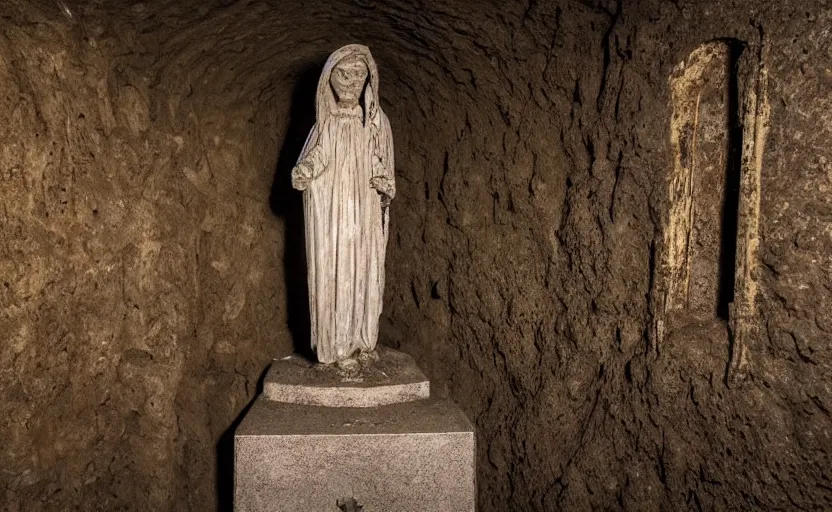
pixel 150 263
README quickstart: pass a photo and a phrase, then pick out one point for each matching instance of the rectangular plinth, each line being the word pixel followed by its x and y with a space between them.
pixel 416 456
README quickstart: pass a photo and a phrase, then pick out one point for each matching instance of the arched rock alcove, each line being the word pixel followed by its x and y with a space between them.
pixel 149 253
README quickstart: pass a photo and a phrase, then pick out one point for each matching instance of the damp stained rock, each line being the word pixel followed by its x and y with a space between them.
pixel 534 152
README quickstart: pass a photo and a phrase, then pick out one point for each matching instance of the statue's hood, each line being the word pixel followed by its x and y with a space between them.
pixel 325 101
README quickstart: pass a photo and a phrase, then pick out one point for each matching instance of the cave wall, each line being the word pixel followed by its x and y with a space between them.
pixel 549 299
pixel 151 270
pixel 139 256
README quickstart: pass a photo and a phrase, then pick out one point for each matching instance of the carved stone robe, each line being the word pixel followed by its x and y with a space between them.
pixel 345 218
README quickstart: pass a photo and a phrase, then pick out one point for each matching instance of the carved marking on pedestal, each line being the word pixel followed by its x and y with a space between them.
pixel 349 505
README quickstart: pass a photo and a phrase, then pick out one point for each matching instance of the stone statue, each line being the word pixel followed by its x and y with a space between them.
pixel 346 174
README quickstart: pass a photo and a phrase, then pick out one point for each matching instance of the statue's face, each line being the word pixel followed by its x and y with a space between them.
pixel 348 80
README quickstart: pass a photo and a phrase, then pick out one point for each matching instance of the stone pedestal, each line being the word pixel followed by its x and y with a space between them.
pixel 363 435
pixel 416 456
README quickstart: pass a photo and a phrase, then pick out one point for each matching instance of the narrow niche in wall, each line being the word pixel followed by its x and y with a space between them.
pixel 710 241
pixel 701 234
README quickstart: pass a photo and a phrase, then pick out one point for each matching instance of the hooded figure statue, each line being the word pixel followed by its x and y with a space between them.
pixel 346 174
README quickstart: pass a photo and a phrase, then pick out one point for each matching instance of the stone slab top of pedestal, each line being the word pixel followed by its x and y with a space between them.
pixel 269 418
pixel 382 377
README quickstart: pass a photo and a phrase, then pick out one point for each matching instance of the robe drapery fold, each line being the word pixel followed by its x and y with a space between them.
pixel 345 217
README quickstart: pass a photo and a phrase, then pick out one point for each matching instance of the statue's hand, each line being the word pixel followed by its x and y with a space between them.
pixel 384 185
pixel 301 176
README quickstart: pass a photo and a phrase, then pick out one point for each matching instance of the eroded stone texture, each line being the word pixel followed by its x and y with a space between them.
pixel 151 265
pixel 383 376
pixel 407 457
pixel 346 173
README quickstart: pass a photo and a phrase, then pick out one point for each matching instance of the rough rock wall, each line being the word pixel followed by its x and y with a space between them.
pixel 150 260
pixel 139 256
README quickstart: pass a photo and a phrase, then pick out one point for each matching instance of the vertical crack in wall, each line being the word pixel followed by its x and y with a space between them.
pixel 731 182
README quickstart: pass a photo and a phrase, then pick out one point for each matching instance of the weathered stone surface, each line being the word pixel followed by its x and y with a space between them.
pixel 412 457
pixel 385 376
pixel 145 283
pixel 346 173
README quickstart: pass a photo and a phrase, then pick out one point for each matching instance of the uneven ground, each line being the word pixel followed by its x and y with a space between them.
pixel 151 248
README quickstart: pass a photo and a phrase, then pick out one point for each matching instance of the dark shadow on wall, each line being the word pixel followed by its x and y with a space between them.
pixel 225 454
pixel 287 204
pixel 730 206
